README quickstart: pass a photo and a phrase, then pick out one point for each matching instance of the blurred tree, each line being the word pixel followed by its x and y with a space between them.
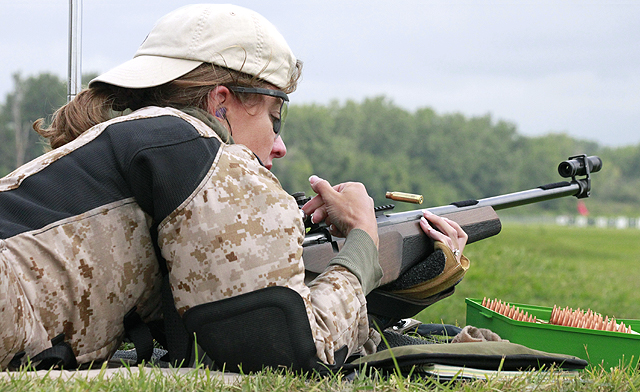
pixel 445 157
pixel 32 98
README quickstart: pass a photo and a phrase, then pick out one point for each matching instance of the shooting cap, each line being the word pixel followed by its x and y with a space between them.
pixel 225 35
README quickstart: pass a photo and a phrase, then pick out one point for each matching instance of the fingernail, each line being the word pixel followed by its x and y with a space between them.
pixel 426 212
pixel 313 179
pixel 424 220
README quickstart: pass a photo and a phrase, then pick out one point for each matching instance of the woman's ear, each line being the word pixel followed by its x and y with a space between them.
pixel 215 103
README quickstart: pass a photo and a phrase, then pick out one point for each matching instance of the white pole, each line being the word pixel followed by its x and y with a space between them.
pixel 75 49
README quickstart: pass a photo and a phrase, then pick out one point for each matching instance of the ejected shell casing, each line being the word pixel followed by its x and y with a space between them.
pixel 408 197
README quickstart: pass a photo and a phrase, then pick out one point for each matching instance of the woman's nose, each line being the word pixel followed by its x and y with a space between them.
pixel 279 150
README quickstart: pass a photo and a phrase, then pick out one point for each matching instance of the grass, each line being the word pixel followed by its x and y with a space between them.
pixel 150 379
pixel 550 265
pixel 539 265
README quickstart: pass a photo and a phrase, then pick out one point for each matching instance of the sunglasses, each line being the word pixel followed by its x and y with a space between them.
pixel 278 123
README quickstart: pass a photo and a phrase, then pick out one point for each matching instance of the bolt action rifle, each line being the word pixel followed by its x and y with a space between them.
pixel 403 244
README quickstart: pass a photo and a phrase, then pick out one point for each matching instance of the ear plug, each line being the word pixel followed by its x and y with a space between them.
pixel 221 112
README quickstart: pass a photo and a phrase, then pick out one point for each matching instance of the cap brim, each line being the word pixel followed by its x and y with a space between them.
pixel 147 71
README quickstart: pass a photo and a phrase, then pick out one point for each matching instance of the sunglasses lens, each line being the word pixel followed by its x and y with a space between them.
pixel 278 125
pixel 283 115
pixel 284 111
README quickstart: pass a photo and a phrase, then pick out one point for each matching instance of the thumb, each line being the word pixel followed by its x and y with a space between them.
pixel 321 187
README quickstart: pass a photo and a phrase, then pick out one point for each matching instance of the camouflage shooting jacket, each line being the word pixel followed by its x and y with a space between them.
pixel 78 227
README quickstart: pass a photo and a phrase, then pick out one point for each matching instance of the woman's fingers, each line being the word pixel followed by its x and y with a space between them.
pixel 342 207
pixel 312 206
pixel 448 231
pixel 435 234
pixel 461 233
pixel 441 224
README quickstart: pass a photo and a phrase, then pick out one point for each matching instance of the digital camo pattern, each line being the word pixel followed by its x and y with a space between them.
pixel 339 310
pixel 81 275
pixel 238 232
pixel 19 329
pixel 241 232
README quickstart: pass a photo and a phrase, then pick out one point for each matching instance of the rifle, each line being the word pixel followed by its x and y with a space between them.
pixel 403 243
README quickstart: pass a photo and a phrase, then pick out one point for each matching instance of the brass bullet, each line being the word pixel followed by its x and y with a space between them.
pixel 408 197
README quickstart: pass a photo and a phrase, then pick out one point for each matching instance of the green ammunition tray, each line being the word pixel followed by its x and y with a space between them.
pixel 605 348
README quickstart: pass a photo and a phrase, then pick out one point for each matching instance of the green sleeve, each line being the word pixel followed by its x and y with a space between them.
pixel 360 256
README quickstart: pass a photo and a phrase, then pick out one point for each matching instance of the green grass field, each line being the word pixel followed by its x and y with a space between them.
pixel 550 265
pixel 538 265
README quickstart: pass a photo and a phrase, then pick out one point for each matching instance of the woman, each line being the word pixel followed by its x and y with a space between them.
pixel 183 177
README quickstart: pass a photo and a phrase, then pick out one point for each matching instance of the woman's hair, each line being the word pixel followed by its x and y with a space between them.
pixel 103 101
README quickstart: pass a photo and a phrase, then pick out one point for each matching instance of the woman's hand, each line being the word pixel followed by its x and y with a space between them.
pixel 449 232
pixel 342 207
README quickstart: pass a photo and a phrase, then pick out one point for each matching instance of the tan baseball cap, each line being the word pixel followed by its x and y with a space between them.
pixel 223 34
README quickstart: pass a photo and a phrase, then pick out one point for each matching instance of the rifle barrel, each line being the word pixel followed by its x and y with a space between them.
pixel 542 193
pixel 580 165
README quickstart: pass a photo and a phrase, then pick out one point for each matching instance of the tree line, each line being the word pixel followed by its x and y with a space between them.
pixel 445 157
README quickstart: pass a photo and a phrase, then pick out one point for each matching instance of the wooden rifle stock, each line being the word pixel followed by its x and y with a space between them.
pixel 403 244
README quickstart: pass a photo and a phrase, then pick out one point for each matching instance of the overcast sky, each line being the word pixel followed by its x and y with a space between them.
pixel 547 66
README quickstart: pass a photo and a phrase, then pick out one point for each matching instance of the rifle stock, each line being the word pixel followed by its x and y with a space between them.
pixel 403 243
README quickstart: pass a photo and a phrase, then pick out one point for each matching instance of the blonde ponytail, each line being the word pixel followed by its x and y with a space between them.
pixel 90 107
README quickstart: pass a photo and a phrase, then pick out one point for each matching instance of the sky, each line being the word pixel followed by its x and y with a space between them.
pixel 545 66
